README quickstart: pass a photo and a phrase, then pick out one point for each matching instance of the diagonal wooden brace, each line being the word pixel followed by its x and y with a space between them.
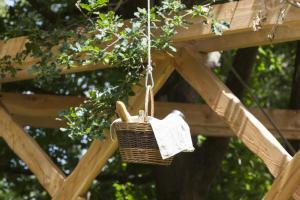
pixel 192 67
pixel 47 173
pixel 90 165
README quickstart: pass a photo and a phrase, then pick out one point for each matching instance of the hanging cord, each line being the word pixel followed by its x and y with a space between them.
pixel 149 81
pixel 255 99
pixel 149 65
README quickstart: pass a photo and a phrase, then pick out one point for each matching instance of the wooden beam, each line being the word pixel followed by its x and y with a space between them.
pixel 38 110
pixel 78 183
pixel 24 74
pixel 239 13
pixel 285 33
pixel 205 121
pixel 42 110
pixel 222 101
pixel 47 173
pixel 287 182
pixel 16 45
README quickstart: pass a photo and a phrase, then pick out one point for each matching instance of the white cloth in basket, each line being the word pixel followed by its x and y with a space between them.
pixel 172 135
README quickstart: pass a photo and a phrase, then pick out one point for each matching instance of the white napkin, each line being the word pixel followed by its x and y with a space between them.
pixel 172 135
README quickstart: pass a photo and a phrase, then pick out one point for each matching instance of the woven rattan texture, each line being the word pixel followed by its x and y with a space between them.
pixel 137 144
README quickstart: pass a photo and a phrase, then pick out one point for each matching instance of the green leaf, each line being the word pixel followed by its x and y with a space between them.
pixel 218 27
pixel 85 6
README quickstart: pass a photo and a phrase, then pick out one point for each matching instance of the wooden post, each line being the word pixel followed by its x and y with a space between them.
pixel 90 165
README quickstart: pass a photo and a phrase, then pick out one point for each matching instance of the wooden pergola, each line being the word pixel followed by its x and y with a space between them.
pixel 224 114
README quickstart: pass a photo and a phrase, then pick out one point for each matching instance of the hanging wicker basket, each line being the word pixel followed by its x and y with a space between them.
pixel 137 143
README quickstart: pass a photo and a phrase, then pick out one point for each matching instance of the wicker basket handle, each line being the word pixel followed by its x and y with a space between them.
pixel 149 96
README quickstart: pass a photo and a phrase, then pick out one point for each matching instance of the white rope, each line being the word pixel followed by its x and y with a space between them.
pixel 149 66
pixel 149 82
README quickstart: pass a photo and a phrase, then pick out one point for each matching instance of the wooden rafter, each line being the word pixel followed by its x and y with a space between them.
pixel 224 103
pixel 90 165
pixel 239 13
pixel 42 110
